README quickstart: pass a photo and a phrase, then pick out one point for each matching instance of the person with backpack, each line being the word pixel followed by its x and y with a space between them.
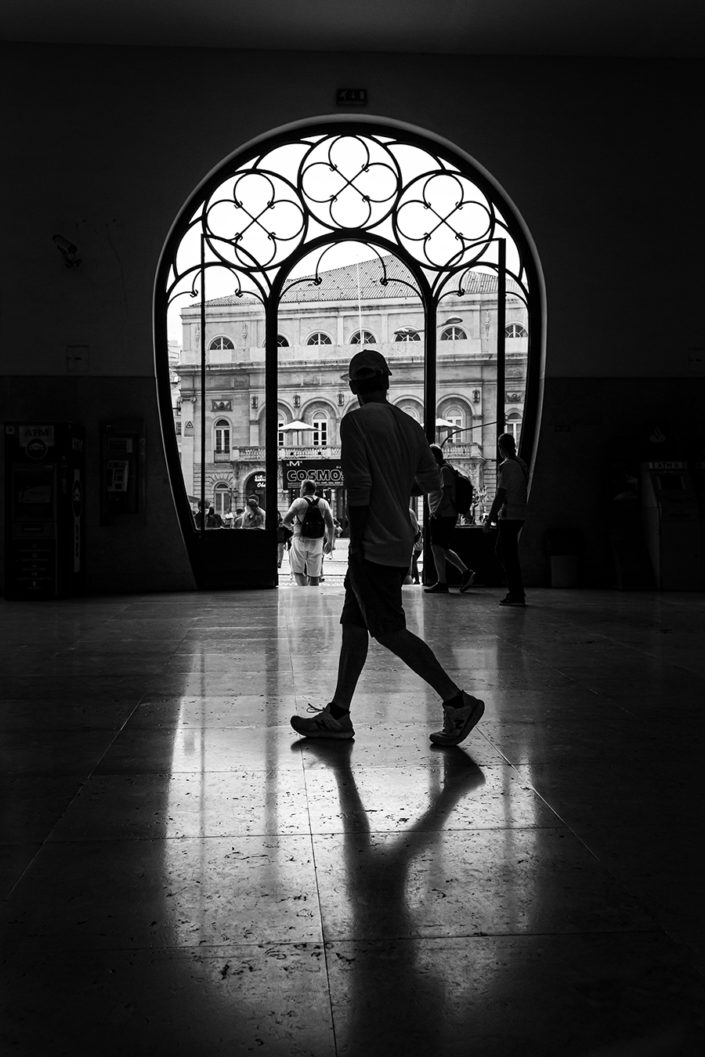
pixel 311 519
pixel 444 507
pixel 508 512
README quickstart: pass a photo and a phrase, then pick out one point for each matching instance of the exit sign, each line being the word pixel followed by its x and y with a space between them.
pixel 351 97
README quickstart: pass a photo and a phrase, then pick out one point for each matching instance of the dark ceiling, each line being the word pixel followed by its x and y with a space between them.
pixel 639 28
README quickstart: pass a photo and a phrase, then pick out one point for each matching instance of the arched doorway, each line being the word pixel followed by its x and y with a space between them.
pixel 393 214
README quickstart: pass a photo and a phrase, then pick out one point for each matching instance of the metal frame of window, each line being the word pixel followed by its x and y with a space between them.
pixel 221 342
pixel 296 214
pixel 363 337
pixel 453 334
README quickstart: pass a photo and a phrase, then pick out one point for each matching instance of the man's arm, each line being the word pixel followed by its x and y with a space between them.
pixel 358 517
pixel 358 481
pixel 498 502
pixel 290 515
pixel 329 545
pixel 428 475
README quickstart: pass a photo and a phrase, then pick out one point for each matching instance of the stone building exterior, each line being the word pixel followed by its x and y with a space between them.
pixel 320 326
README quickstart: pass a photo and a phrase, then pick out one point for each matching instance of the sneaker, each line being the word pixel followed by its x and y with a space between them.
pixel 458 722
pixel 512 600
pixel 467 580
pixel 437 589
pixel 323 724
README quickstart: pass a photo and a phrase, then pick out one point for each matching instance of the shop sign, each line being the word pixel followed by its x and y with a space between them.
pixel 327 473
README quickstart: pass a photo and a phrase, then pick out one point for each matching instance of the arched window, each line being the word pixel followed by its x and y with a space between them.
pixel 222 437
pixel 222 494
pixel 320 432
pixel 413 408
pixel 221 343
pixel 513 425
pixel 282 342
pixel 331 180
pixel 516 330
pixel 363 337
pixel 319 338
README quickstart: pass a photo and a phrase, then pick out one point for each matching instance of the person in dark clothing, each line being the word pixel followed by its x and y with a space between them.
pixel 384 454
pixel 508 512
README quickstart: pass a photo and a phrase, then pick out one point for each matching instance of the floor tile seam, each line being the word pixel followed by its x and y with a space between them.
pixel 215 950
pixel 42 844
pixel 326 963
pixel 44 942
pixel 86 779
pixel 170 729
pixel 135 773
pixel 438 830
pixel 243 771
pixel 624 883
pixel 123 840
pixel 422 936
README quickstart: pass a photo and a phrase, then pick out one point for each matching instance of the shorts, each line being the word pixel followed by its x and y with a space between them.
pixel 373 597
pixel 441 530
pixel 306 556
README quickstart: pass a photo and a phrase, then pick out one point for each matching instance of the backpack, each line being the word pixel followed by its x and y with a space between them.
pixel 464 492
pixel 313 526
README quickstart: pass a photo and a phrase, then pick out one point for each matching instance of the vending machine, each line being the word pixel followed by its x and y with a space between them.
pixel 44 510
pixel 671 524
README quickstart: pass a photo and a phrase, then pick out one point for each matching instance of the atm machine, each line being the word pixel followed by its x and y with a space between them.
pixel 671 518
pixel 44 504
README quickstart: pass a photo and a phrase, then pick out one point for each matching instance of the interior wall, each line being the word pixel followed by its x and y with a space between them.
pixel 104 145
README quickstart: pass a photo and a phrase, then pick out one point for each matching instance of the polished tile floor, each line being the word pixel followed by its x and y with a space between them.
pixel 182 874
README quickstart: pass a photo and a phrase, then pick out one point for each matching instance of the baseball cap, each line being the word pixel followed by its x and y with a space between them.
pixel 366 364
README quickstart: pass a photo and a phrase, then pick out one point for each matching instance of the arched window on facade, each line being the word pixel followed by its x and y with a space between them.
pixel 363 337
pixel 413 408
pixel 513 425
pixel 516 330
pixel 282 342
pixel 407 334
pixel 221 343
pixel 221 436
pixel 320 432
pixel 319 338
pixel 222 494
pixel 453 334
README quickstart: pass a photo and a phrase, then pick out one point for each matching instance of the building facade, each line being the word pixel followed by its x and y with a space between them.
pixel 321 323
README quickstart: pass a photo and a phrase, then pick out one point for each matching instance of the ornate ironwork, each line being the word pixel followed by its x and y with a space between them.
pixel 400 197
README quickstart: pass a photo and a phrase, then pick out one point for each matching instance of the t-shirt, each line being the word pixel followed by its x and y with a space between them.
pixel 440 503
pixel 384 451
pixel 513 478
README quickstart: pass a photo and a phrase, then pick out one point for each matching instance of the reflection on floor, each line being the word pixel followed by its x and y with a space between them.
pixel 182 874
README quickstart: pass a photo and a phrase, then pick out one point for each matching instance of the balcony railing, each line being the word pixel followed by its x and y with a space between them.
pixel 453 451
